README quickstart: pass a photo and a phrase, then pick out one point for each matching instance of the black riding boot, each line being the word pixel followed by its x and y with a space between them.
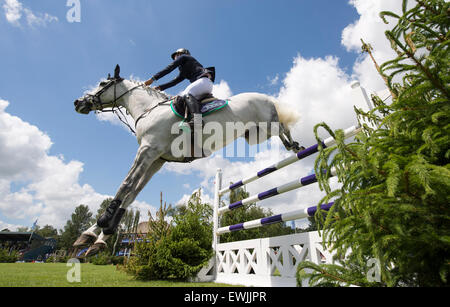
pixel 194 110
pixel 104 220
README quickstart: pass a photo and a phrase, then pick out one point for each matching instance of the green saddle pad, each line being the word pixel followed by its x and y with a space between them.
pixel 207 108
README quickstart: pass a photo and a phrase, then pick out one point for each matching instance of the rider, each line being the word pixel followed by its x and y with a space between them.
pixel 201 80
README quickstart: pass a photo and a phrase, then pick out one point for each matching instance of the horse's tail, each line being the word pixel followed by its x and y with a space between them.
pixel 287 115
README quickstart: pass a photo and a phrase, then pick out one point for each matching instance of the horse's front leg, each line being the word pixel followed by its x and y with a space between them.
pixel 144 158
pixel 142 168
pixel 134 190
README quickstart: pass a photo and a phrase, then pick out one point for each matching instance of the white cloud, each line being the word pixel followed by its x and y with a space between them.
pixel 34 184
pixel 41 19
pixel 321 92
pixel 114 119
pixel 273 81
pixel 14 10
pixel 371 29
pixel 222 90
pixel 10 227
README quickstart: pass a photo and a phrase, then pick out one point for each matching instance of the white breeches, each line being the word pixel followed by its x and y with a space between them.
pixel 199 88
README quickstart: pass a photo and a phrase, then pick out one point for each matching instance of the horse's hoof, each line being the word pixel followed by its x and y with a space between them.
pixel 297 148
pixel 96 248
pixel 86 238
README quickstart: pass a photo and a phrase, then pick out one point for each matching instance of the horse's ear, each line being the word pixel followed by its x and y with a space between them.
pixel 117 72
pixel 109 76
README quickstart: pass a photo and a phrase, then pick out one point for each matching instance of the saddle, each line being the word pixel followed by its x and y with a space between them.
pixel 209 104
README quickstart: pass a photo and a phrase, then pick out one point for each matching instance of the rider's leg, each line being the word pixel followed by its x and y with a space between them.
pixel 194 109
pixel 193 92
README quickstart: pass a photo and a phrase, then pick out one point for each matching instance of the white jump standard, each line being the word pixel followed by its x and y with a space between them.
pixel 254 262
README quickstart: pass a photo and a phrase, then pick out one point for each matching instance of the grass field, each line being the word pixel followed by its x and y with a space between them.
pixel 55 275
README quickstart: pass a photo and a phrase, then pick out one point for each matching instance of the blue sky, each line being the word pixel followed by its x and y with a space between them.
pixel 48 62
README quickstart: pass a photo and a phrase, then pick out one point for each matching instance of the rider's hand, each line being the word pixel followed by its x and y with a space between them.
pixel 157 88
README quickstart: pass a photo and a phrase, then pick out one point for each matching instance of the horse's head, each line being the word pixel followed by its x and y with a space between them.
pixel 105 96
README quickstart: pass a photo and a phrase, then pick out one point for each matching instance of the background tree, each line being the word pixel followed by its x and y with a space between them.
pixel 393 206
pixel 105 203
pixel 47 231
pixel 23 229
pixel 80 221
pixel 249 213
pixel 158 226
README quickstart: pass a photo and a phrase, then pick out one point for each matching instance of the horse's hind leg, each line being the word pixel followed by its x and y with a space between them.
pixel 288 142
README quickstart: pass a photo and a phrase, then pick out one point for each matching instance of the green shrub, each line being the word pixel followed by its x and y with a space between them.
pixel 101 259
pixel 180 253
pixel 50 259
pixel 117 260
pixel 5 257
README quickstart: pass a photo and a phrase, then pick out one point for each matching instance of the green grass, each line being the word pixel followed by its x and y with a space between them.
pixel 55 275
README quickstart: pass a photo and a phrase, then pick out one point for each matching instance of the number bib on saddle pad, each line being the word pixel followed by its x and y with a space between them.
pixel 207 108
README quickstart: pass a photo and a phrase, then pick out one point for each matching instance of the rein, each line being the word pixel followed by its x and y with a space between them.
pixel 148 111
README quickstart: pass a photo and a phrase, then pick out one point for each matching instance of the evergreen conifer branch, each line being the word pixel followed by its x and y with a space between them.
pixel 393 201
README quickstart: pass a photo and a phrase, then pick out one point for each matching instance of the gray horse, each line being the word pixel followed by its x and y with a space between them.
pixel 159 138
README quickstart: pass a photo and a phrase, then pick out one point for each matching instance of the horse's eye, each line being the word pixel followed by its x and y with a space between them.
pixel 103 83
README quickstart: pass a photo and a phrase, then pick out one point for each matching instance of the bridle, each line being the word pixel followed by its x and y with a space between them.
pixel 96 101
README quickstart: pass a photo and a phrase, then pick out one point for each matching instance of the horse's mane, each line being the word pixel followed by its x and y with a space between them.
pixel 152 92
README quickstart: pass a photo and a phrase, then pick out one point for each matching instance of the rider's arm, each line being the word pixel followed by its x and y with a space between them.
pixel 171 83
pixel 171 67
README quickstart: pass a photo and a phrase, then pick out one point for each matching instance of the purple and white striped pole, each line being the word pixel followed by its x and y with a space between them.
pixel 290 216
pixel 273 192
pixel 352 131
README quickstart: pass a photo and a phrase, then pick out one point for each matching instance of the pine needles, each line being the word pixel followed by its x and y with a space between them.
pixel 392 207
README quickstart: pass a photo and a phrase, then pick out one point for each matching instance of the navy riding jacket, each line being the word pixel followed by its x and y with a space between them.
pixel 189 68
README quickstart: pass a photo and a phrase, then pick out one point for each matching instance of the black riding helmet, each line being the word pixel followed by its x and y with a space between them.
pixel 180 51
